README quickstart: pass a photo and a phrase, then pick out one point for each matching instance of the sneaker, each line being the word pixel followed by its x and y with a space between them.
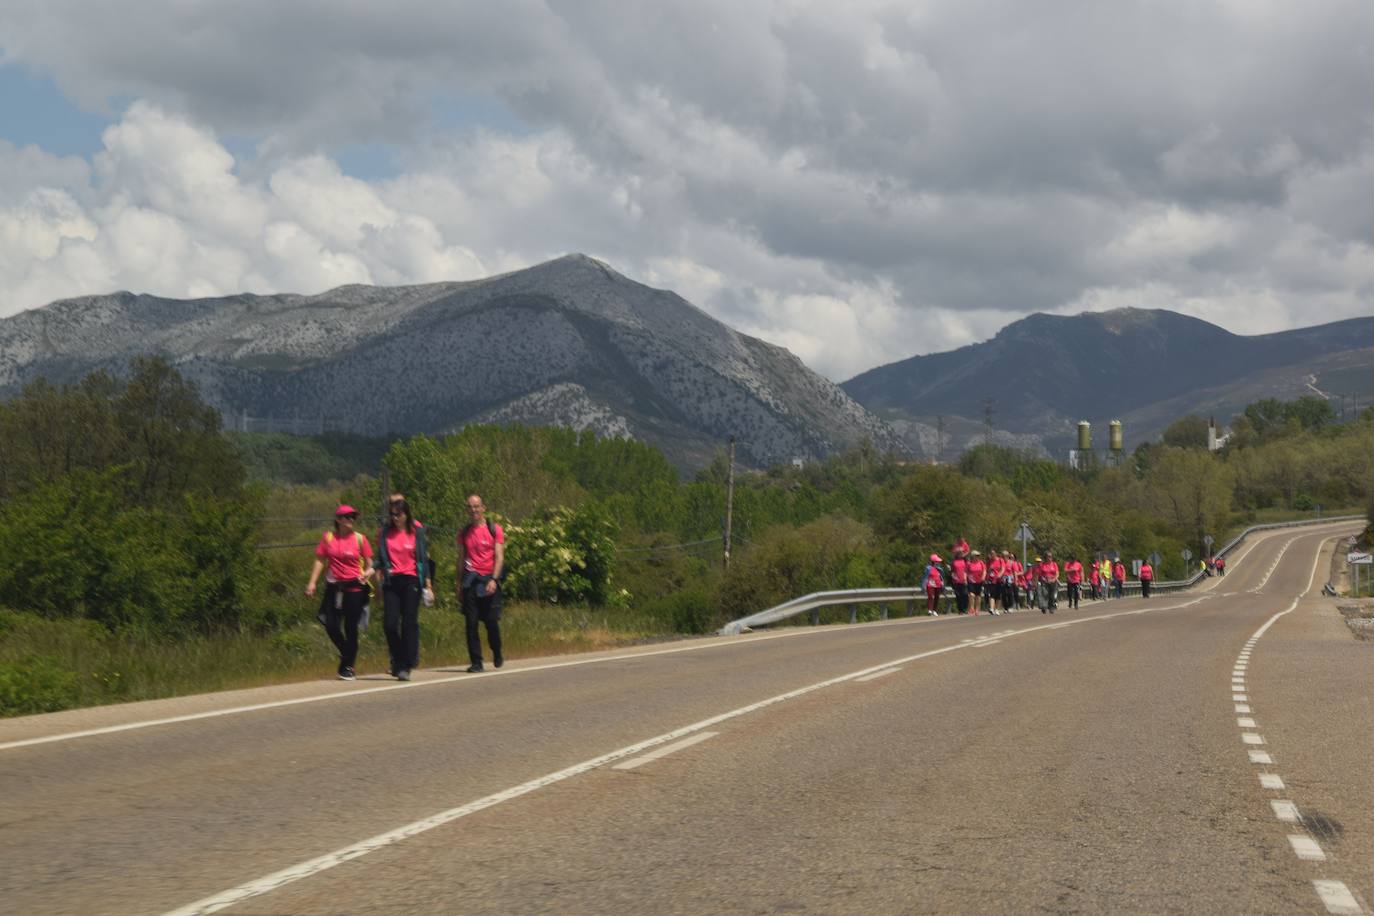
pixel 403 674
pixel 475 669
pixel 498 661
pixel 347 674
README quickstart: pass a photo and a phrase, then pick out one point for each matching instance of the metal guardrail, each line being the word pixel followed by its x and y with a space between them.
pixel 885 597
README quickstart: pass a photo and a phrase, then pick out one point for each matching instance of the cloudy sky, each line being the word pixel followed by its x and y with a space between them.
pixel 858 181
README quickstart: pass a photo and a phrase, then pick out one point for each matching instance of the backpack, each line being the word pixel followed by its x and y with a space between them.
pixel 491 530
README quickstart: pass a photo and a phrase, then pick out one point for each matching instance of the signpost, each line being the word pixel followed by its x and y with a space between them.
pixel 1156 559
pixel 1356 560
pixel 1025 536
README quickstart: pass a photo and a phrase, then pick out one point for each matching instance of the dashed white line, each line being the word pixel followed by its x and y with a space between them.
pixel 665 751
pixel 1306 848
pixel 1239 698
pixel 1246 723
pixel 1251 738
pixel 875 675
pixel 1260 757
pixel 987 642
pixel 1271 781
pixel 1336 897
pixel 1242 708
pixel 1285 810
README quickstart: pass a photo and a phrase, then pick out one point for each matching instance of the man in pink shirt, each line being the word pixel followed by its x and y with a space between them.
pixel 481 561
pixel 1047 576
pixel 1073 574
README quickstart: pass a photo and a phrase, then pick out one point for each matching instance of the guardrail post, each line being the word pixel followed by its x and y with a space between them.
pixel 815 616
pixel 911 608
pixel 853 613
pixel 884 611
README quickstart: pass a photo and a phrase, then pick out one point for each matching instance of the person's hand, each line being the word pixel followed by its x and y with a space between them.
pixel 491 586
pixel 310 590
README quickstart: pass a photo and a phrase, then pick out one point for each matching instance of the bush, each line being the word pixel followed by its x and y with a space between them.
pixel 36 684
pixel 694 609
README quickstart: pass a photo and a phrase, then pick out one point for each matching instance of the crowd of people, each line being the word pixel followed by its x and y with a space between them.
pixel 405 572
pixel 997 582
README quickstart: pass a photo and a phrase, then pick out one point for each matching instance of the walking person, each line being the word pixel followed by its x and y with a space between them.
pixel 958 578
pixel 1105 565
pixel 996 586
pixel 1095 581
pixel 977 576
pixel 403 561
pixel 481 562
pixel 933 582
pixel 1073 575
pixel 1221 566
pixel 1147 578
pixel 1118 578
pixel 1048 576
pixel 345 557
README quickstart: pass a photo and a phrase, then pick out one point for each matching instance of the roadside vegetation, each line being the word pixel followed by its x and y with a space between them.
pixel 149 553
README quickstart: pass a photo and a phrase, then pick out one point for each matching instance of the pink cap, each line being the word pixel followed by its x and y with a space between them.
pixel 935 558
pixel 345 509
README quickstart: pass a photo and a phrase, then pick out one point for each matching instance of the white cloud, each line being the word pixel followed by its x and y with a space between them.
pixel 860 182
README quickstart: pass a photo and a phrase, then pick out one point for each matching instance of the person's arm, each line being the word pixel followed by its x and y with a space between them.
pixel 314 578
pixel 500 548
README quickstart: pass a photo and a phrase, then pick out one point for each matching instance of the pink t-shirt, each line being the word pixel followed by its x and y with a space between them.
pixel 1049 570
pixel 958 571
pixel 977 571
pixel 400 549
pixel 479 550
pixel 1073 572
pixel 343 555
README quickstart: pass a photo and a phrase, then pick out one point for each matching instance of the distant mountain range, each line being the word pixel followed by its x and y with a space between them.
pixel 1039 376
pixel 573 343
pixel 569 342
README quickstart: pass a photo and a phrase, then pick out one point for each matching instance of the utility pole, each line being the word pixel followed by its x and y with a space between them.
pixel 989 408
pixel 729 502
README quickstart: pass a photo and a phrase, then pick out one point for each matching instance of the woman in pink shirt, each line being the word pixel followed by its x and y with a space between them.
pixel 977 575
pixel 348 556
pixel 403 561
pixel 1073 575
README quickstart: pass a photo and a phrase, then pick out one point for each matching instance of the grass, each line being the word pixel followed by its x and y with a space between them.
pixel 48 665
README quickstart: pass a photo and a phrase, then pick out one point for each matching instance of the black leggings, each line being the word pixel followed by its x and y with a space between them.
pixel 401 620
pixel 341 621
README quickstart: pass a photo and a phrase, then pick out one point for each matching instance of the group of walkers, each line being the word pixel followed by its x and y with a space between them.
pixel 999 583
pixel 405 572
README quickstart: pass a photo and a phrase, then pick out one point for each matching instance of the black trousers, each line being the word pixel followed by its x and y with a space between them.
pixel 1075 592
pixel 341 616
pixel 1145 588
pixel 961 596
pixel 483 608
pixel 401 620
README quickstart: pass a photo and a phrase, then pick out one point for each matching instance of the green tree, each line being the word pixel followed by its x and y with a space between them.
pixel 1191 490
pixel 1187 432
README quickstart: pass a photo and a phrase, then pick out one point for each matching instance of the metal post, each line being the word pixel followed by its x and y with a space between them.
pixel 729 502
pixel 853 613
pixel 911 608
pixel 815 616
pixel 883 611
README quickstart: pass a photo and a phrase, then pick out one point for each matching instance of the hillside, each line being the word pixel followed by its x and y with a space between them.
pixel 569 342
pixel 1044 373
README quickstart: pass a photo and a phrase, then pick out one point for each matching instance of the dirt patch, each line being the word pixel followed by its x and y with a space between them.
pixel 1360 619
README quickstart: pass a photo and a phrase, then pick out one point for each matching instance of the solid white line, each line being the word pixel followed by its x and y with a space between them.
pixel 989 642
pixel 877 674
pixel 1246 723
pixel 1242 708
pixel 1306 848
pixel 1251 738
pixel 1336 897
pixel 1271 781
pixel 1284 810
pixel 1260 757
pixel 665 751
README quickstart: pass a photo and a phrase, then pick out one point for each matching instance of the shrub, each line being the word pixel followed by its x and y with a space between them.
pixel 36 684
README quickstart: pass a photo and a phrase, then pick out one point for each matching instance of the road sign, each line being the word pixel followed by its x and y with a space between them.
pixel 1208 540
pixel 1362 559
pixel 1186 554
pixel 1023 533
pixel 1156 559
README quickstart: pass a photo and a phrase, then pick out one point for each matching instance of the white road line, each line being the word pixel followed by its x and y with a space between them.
pixel 1260 757
pixel 1284 810
pixel 1306 848
pixel 1242 708
pixel 1246 723
pixel 875 675
pixel 1239 698
pixel 1336 897
pixel 1251 738
pixel 665 751
pixel 1271 781
pixel 985 643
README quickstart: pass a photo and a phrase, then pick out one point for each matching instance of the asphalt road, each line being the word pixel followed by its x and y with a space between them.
pixel 1107 759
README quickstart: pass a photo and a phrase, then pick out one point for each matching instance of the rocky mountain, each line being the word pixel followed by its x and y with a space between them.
pixel 1039 376
pixel 569 342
